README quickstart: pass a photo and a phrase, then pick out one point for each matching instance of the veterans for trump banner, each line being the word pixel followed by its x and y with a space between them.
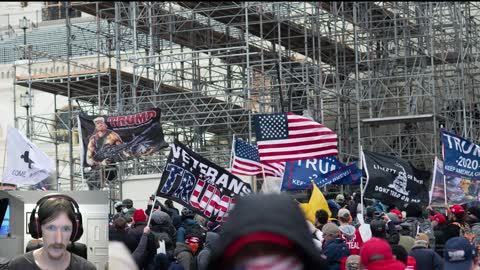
pixel 323 171
pixel 394 180
pixel 108 139
pixel 199 184
pixel 455 190
pixel 461 158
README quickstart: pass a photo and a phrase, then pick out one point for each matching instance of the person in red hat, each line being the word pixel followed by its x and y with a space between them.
pixel 438 219
pixel 443 230
pixel 135 233
pixel 398 213
pixel 458 218
pixel 376 254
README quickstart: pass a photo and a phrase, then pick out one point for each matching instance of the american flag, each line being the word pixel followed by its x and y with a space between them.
pixel 287 137
pixel 247 162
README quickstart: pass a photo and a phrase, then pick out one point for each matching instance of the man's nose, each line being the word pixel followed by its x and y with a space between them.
pixel 58 236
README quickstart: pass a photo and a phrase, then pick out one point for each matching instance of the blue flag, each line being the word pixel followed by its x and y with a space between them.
pixel 461 157
pixel 299 174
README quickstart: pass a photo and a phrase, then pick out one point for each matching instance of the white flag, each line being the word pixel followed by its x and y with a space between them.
pixel 26 164
pixel 272 185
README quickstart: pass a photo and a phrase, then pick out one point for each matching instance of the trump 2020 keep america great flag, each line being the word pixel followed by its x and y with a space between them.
pixel 287 136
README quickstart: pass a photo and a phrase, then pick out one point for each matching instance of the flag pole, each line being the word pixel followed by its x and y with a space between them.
pixel 361 181
pixel 151 211
pixel 232 153
pixel 445 189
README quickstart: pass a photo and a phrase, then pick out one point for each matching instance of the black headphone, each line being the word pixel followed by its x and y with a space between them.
pixel 34 226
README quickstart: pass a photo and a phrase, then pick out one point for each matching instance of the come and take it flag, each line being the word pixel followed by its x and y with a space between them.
pixel 247 162
pixel 26 163
pixel 200 185
pixel 287 136
pixel 394 180
pixel 317 201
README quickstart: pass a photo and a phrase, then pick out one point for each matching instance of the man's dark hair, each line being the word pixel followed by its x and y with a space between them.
pixel 413 210
pixel 120 223
pixel 370 211
pixel 400 253
pixel 169 203
pixel 321 216
pixel 53 207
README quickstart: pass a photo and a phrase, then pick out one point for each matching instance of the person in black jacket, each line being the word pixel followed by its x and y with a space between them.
pixel 382 227
pixel 136 232
pixel 426 258
pixel 265 227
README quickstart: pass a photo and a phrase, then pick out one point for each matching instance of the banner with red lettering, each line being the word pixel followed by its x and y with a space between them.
pixel 109 139
pixel 199 184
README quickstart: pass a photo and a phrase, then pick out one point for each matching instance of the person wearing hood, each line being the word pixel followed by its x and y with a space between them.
pixel 265 227
pixel 414 215
pixel 162 223
pixel 406 241
pixel 187 244
pixel 335 248
pixel 204 255
pixel 349 233
pixel 426 258
pixel 376 254
pixel 187 220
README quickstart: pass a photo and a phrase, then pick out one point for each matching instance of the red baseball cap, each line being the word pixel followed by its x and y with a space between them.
pixel 457 210
pixel 439 218
pixel 397 212
pixel 375 249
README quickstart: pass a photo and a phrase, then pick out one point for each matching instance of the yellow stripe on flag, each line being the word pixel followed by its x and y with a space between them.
pixel 317 201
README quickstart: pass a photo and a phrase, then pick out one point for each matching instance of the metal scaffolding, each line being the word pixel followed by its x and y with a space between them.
pixel 384 75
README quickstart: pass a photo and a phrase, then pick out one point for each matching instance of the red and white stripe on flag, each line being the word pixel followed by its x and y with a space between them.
pixel 287 137
pixel 243 166
pixel 247 162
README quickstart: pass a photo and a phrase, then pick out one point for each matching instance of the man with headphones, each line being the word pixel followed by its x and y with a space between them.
pixel 57 220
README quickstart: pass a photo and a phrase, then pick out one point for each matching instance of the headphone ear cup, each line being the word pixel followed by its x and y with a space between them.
pixel 33 226
pixel 78 230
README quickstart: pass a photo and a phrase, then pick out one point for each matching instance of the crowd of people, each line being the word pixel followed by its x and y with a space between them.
pixel 269 231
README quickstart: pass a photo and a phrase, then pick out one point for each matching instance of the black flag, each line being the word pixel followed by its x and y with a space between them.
pixel 109 139
pixel 395 180
pixel 199 184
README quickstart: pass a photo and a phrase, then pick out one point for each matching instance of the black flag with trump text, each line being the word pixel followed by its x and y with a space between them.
pixel 199 184
pixel 109 139
pixel 394 180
